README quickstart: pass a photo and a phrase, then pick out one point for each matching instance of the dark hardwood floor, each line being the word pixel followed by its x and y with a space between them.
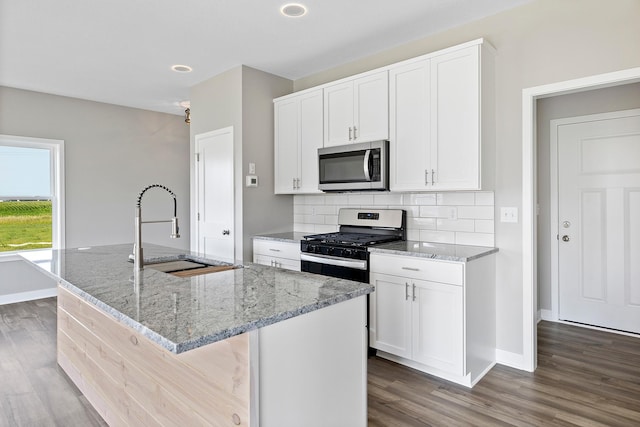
pixel 584 378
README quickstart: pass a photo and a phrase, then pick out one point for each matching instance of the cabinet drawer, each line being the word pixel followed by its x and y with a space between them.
pixel 418 268
pixel 276 248
pixel 288 264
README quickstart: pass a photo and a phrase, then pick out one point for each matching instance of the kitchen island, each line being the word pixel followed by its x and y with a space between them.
pixel 249 346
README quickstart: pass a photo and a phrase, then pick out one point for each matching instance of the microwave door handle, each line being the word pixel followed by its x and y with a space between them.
pixel 367 172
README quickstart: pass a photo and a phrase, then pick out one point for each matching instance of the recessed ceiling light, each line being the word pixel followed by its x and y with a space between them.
pixel 181 68
pixel 293 10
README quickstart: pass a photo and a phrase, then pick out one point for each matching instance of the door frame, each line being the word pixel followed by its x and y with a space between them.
pixel 195 188
pixel 554 196
pixel 56 149
pixel 529 194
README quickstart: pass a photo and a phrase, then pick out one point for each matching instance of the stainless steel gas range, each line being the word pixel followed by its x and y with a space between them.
pixel 344 254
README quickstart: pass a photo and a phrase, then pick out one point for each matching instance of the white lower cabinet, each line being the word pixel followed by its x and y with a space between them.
pixel 277 253
pixel 435 316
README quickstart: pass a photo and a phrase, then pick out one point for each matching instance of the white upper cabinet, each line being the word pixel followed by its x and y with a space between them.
pixel 357 110
pixel 439 126
pixel 298 135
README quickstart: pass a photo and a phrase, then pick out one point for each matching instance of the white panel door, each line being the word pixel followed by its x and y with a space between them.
pixel 215 194
pixel 599 220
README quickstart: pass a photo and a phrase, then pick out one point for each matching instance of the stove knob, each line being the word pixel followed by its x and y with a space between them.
pixel 347 252
pixel 330 251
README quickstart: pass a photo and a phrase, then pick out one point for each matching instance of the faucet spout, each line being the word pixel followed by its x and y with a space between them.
pixel 138 258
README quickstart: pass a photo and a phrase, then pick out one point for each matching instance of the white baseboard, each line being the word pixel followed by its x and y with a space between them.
pixel 512 360
pixel 28 296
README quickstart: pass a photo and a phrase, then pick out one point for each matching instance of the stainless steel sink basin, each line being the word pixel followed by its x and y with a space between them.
pixel 188 268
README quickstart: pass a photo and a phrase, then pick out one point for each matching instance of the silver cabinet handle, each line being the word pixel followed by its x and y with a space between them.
pixel 226 232
pixel 274 250
pixel 355 135
pixel 414 291
pixel 433 180
pixel 350 133
pixel 426 177
pixel 298 183
pixel 410 268
pixel 293 186
pixel 406 291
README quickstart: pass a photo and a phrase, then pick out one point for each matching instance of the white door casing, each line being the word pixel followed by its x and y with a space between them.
pixel 598 222
pixel 214 181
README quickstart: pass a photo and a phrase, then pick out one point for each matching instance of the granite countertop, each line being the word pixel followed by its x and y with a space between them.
pixel 182 314
pixel 289 236
pixel 441 251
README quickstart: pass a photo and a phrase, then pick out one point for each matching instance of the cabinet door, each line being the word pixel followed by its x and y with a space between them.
pixel 390 315
pixel 310 140
pixel 371 108
pixel 338 114
pixel 438 334
pixel 286 145
pixel 409 141
pixel 455 120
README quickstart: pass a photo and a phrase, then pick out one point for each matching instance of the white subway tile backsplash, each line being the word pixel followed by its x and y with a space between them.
pixel 475 239
pixel 455 199
pixel 484 198
pixel 326 229
pixel 437 236
pixel 475 212
pixel 360 199
pixel 336 199
pixel 485 226
pixel 387 199
pixel 331 219
pixel 419 199
pixel 325 210
pixel 455 225
pixel 438 211
pixel 304 228
pixel 463 218
pixel 421 223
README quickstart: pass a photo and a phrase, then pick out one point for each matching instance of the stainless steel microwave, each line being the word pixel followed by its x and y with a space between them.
pixel 354 167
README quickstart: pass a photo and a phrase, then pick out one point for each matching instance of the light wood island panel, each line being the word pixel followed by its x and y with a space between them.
pixel 132 381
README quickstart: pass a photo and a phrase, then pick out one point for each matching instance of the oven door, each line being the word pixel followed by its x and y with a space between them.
pixel 343 268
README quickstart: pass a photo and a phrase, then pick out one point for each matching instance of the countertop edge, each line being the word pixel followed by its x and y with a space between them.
pixel 440 257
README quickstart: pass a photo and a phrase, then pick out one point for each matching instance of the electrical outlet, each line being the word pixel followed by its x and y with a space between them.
pixel 509 214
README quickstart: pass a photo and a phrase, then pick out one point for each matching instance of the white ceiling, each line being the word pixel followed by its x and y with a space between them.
pixel 121 51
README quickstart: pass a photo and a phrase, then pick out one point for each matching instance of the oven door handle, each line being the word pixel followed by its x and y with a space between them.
pixel 332 260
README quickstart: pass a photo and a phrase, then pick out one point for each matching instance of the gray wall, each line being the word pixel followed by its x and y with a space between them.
pixel 542 42
pixel 243 98
pixel 624 97
pixel 111 154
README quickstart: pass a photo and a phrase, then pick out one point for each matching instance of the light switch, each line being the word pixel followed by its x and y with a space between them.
pixel 509 214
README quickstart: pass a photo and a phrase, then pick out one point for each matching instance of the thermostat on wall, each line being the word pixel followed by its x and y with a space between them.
pixel 252 180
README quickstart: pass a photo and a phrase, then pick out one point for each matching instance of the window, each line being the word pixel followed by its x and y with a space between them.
pixel 31 189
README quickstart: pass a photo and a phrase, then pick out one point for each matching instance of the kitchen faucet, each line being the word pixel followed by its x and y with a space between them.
pixel 137 257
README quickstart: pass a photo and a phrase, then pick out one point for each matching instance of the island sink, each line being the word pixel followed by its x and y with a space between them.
pixel 188 268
